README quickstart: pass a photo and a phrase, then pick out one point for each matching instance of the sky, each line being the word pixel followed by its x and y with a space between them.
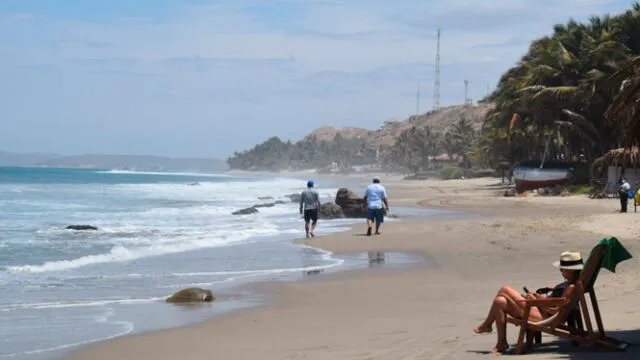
pixel 189 78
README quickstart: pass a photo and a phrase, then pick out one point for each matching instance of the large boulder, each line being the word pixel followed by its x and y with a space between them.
pixel 329 211
pixel 352 205
pixel 81 227
pixel 294 197
pixel 191 295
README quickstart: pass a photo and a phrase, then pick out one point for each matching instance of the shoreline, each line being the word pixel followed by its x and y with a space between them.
pixel 497 235
pixel 262 289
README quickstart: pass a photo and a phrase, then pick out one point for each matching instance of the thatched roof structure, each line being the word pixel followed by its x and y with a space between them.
pixel 622 157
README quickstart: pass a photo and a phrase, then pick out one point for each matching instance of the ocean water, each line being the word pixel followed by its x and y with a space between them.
pixel 158 232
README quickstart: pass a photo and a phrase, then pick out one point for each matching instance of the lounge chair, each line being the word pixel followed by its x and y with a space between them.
pixel 558 324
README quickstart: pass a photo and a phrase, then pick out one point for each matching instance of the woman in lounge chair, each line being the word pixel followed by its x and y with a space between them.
pixel 508 301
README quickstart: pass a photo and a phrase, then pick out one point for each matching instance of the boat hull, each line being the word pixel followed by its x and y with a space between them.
pixel 534 178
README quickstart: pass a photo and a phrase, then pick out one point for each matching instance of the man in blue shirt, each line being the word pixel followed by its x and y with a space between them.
pixel 375 197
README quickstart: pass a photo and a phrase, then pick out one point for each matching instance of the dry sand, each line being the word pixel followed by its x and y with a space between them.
pixel 424 312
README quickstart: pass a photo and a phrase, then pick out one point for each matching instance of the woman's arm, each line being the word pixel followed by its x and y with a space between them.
pixel 552 310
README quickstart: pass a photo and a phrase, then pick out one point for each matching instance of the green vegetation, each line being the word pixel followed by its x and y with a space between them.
pixel 577 85
pixel 449 172
pixel 579 189
pixel 274 154
pixel 416 147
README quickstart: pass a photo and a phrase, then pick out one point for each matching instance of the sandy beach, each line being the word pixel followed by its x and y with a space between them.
pixel 425 311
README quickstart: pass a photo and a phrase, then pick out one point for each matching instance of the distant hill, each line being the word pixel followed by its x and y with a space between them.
pixel 438 120
pixel 129 162
pixel 14 159
pixel 328 133
pixel 328 146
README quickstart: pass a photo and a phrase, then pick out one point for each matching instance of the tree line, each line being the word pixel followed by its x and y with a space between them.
pixel 414 149
pixel 308 153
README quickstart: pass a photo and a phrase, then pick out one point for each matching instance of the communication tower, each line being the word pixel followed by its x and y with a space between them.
pixel 436 86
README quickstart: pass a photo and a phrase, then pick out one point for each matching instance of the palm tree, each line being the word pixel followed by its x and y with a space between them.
pixel 424 144
pixel 624 112
pixel 463 136
pixel 564 85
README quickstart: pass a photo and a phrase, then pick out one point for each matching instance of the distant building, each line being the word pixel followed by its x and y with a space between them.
pixel 616 163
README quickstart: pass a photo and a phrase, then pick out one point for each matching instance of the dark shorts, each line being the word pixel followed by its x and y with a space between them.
pixel 376 215
pixel 311 215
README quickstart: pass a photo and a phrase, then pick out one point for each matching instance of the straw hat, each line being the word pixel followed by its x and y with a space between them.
pixel 569 261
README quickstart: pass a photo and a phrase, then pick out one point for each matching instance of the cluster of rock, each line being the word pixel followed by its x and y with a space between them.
pixel 557 190
pixel 254 209
pixel 510 192
pixel 346 205
pixel 329 211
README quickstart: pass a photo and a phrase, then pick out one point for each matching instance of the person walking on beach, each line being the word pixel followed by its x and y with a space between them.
pixel 623 191
pixel 375 197
pixel 309 205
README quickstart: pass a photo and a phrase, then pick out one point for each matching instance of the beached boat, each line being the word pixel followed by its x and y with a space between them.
pixel 530 178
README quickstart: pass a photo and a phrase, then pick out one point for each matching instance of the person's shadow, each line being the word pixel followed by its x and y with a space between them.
pixel 565 350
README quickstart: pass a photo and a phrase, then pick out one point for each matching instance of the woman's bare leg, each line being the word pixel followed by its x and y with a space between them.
pixel 485 327
pixel 513 307
pixel 516 306
pixel 500 317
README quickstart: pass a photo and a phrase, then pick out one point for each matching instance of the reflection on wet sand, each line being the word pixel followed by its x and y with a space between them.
pixel 376 257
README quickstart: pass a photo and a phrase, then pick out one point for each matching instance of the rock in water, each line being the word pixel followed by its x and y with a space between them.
pixel 330 211
pixel 247 211
pixel 294 197
pixel 191 295
pixel 352 205
pixel 81 227
pixel 265 205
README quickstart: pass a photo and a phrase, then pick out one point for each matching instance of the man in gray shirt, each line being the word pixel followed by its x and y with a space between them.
pixel 309 205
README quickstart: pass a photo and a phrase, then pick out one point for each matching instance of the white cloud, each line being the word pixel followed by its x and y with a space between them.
pixel 254 68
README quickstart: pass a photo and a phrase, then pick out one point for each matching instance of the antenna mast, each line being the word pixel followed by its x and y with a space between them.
pixel 418 100
pixel 436 86
pixel 466 92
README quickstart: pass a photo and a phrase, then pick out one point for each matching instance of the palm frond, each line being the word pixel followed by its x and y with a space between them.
pixel 558 93
pixel 582 122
